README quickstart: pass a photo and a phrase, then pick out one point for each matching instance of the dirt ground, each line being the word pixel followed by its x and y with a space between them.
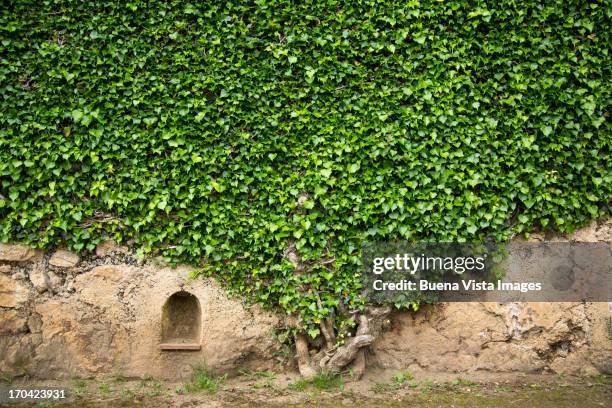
pixel 378 389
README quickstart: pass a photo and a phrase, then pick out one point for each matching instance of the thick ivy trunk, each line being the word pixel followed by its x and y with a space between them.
pixel 303 356
pixel 335 358
pixel 332 356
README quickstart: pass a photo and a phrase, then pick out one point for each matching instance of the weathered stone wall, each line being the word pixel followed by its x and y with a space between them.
pixel 62 316
pixel 101 315
pixel 571 338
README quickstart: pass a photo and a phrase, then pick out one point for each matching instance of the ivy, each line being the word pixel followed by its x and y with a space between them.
pixel 221 134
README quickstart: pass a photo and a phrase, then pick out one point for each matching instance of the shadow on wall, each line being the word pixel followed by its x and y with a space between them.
pixel 181 322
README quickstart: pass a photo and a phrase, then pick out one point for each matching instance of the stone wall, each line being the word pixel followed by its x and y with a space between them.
pixel 571 338
pixel 62 315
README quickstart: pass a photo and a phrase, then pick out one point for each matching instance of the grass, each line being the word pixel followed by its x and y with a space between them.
pixel 264 378
pixel 379 388
pixel 427 385
pixel 146 387
pixel 7 378
pixel 127 394
pixel 399 380
pixel 119 379
pixel 600 379
pixel 463 383
pixel 144 382
pixel 256 375
pixel 324 381
pixel 80 386
pixel 328 380
pixel 298 385
pixel 155 389
pixel 204 382
pixel 104 389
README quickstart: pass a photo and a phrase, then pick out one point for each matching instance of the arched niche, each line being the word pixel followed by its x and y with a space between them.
pixel 181 322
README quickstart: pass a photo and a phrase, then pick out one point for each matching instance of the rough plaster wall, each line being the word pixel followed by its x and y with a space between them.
pixel 102 315
pixel 572 338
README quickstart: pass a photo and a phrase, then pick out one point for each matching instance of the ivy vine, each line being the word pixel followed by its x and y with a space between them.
pixel 222 133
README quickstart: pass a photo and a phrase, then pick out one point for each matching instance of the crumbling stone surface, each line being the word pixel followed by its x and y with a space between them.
pixel 103 316
pixel 12 292
pixel 109 247
pixel 17 253
pixel 572 338
pixel 498 337
pixel 39 279
pixel 64 259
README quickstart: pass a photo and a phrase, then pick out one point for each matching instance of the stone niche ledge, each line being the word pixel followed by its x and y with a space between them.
pixel 180 347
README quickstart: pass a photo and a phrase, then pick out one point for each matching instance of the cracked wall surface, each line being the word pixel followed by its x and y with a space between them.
pixel 62 316
pixel 571 338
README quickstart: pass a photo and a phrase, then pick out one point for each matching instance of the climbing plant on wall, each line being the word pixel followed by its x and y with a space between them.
pixel 265 140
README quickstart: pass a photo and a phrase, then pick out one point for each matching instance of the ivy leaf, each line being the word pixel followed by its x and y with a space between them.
pixel 219 188
pixel 326 173
pixel 201 115
pixel 77 115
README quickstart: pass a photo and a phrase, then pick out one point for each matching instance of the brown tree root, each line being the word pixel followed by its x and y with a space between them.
pixel 351 353
pixel 303 356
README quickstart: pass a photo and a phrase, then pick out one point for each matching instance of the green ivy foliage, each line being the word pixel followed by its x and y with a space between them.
pixel 194 128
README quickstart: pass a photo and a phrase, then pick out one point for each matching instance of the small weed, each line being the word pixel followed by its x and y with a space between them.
pixel 144 382
pixel 257 375
pixel 379 388
pixel 204 382
pixel 104 389
pixel 398 381
pixel 426 385
pixel 7 378
pixel 402 377
pixel 127 394
pixel 463 383
pixel 298 385
pixel 348 392
pixel 323 381
pixel 267 383
pixel 80 386
pixel 48 404
pixel 156 389
pixel 266 378
pixel 600 379
pixel 119 379
pixel 327 381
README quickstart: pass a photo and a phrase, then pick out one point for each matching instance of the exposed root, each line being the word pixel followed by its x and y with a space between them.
pixel 326 354
pixel 303 356
pixel 333 358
